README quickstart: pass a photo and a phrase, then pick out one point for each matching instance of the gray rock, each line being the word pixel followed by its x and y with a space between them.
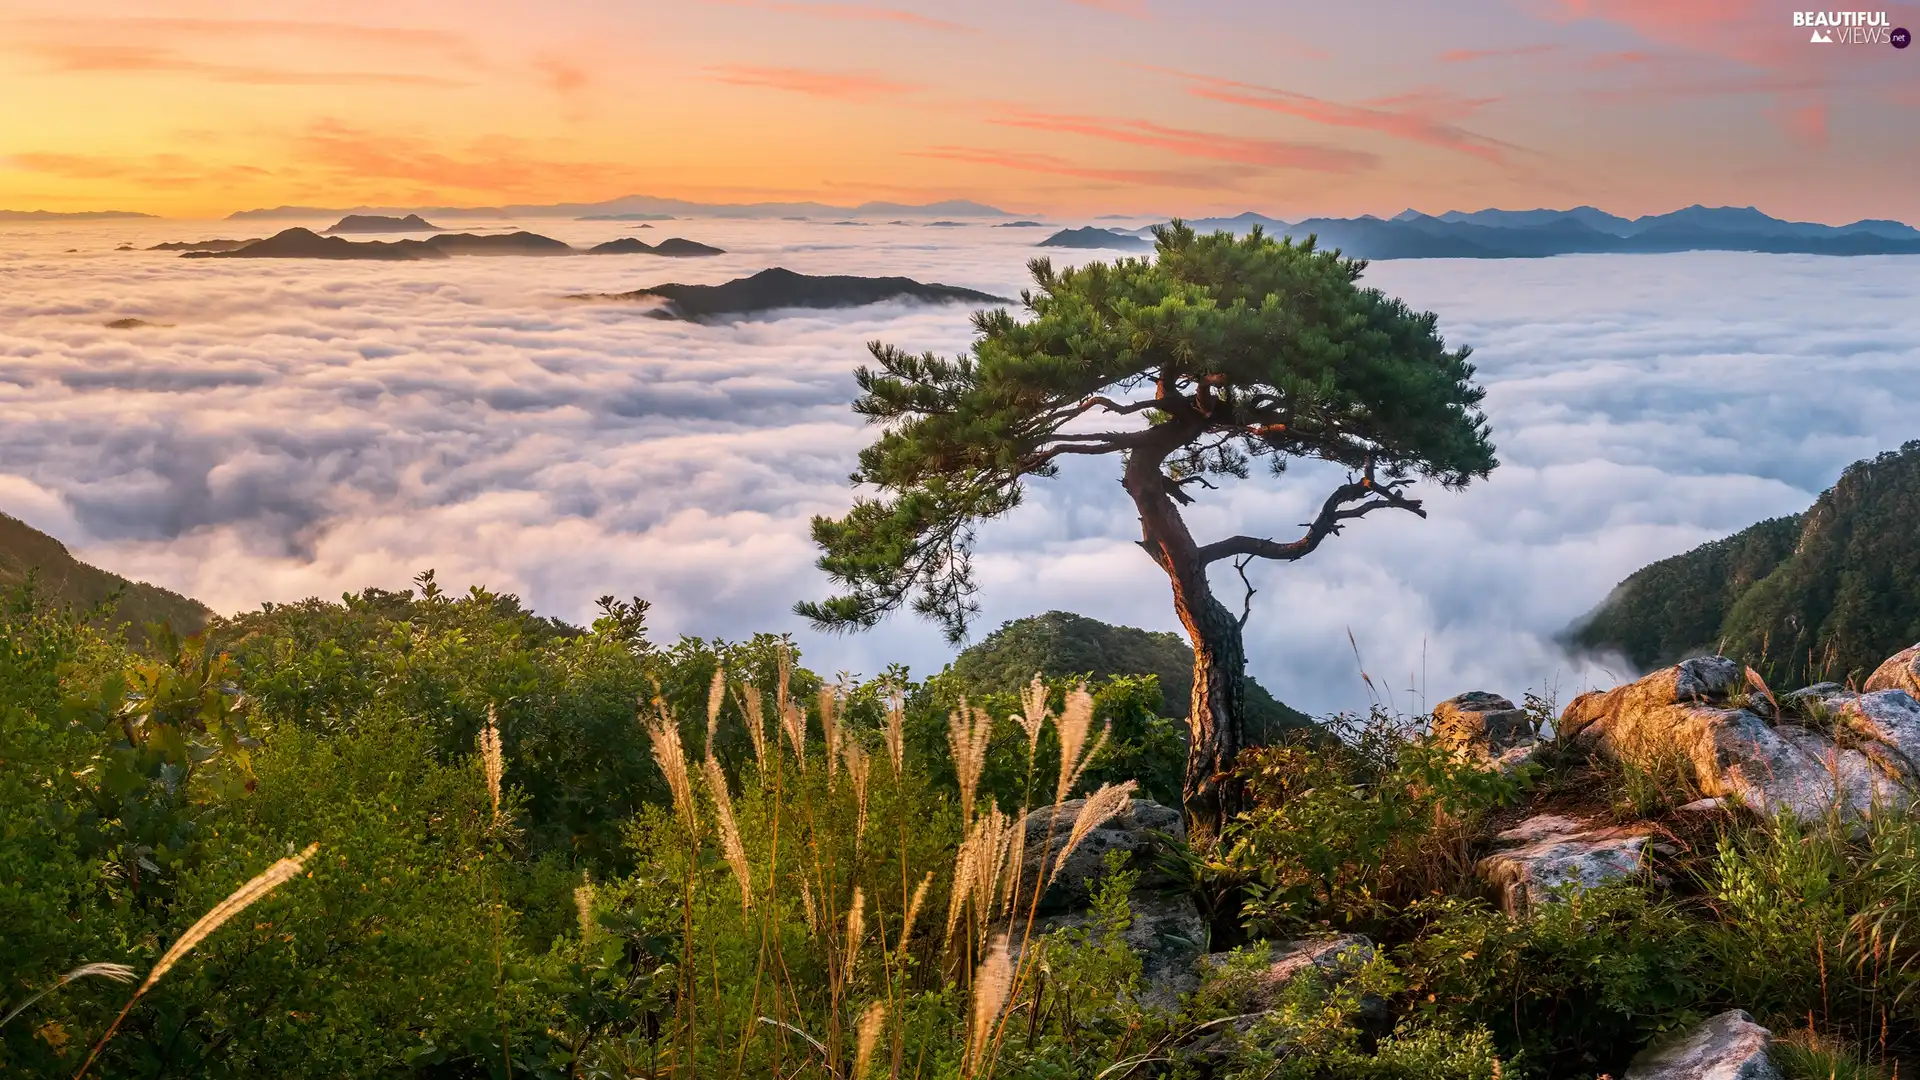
pixel 1548 851
pixel 1482 724
pixel 1254 995
pixel 1683 715
pixel 1132 831
pixel 1729 1046
pixel 1168 934
pixel 1901 671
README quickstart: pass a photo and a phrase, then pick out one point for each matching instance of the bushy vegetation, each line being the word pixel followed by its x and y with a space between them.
pixel 513 847
pixel 1827 594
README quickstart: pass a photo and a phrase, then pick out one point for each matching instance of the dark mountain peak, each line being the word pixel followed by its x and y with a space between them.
pixel 377 223
pixel 298 243
pixel 778 287
pixel 514 243
pixel 683 248
pixel 1092 236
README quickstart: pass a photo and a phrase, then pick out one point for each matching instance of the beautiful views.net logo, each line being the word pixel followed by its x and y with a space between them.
pixel 1850 28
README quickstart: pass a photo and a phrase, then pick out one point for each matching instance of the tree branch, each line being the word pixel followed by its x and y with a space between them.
pixel 1332 513
pixel 1246 605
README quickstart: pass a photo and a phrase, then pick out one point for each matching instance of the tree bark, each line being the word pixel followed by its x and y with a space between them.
pixel 1216 720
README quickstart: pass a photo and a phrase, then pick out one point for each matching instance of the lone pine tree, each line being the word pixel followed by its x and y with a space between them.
pixel 1189 366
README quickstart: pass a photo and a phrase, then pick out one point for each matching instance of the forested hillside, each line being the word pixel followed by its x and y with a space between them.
pixel 1827 594
pixel 59 576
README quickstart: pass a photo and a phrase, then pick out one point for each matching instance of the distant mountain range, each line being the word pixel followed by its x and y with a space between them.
pixel 1507 234
pixel 55 215
pixel 630 207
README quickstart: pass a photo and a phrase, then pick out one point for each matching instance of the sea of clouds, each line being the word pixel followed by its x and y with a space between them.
pixel 293 428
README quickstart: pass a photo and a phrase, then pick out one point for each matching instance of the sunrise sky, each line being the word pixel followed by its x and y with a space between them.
pixel 1044 106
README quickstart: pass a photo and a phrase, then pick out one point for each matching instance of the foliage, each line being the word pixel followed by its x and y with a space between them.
pixel 1827 594
pixel 109 600
pixel 1349 834
pixel 1575 989
pixel 1061 645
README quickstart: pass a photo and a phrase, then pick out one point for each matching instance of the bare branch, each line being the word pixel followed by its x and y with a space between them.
pixel 1336 510
pixel 1246 605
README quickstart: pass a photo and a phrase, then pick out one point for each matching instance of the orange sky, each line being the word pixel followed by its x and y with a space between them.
pixel 1046 106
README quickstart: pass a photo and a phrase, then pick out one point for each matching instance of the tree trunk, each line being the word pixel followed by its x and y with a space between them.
pixel 1210 795
pixel 1216 716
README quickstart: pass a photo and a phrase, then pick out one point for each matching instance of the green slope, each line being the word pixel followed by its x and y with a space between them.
pixel 1061 643
pixel 60 577
pixel 1827 594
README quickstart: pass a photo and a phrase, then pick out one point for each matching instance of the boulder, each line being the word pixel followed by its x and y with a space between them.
pixel 1548 850
pixel 1901 671
pixel 1482 724
pixel 1689 715
pixel 1168 934
pixel 1253 995
pixel 1131 831
pixel 1729 1046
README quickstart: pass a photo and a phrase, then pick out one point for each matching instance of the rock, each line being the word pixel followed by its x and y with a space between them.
pixel 1479 723
pixel 1792 763
pixel 1255 994
pixel 1549 850
pixel 1168 934
pixel 1729 1046
pixel 1901 671
pixel 1703 806
pixel 1132 831
pixel 1329 958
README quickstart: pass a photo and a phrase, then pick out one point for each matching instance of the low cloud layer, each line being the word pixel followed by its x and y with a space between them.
pixel 299 428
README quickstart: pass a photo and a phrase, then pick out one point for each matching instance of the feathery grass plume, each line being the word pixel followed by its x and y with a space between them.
pixel 856 933
pixel 807 908
pixel 673 764
pixel 583 905
pixel 872 1022
pixel 992 884
pixel 730 845
pixel 1034 713
pixel 119 973
pixel 493 760
pixel 991 982
pixel 964 875
pixel 969 744
pixel 755 709
pixel 1754 680
pixel 1100 807
pixel 263 883
pixel 716 697
pixel 785 680
pixel 913 910
pixel 794 723
pixel 897 731
pixel 859 768
pixel 1072 726
pixel 829 728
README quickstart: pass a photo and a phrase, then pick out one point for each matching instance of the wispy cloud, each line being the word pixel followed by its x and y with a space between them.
pixel 1054 165
pixel 1419 118
pixel 848 13
pixel 1463 56
pixel 840 86
pixel 151 60
pixel 1270 153
pixel 493 167
pixel 1132 9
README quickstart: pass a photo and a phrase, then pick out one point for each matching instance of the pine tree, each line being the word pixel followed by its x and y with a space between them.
pixel 1190 366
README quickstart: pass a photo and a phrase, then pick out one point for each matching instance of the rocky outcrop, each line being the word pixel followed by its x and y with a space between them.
pixel 1252 994
pixel 1326 958
pixel 1549 851
pixel 1485 726
pixel 1901 671
pixel 1132 831
pixel 1825 751
pixel 1729 1046
pixel 1168 935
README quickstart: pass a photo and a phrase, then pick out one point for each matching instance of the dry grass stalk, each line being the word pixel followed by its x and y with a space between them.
pixel 807 908
pixel 785 679
pixel 978 866
pixel 829 699
pixel 263 883
pixel 730 844
pixel 1760 686
pixel 672 760
pixel 755 709
pixel 119 973
pixel 794 723
pixel 1075 721
pixel 1034 713
pixel 493 760
pixel 583 906
pixel 1099 808
pixel 856 933
pixel 991 983
pixel 963 877
pixel 859 768
pixel 872 1022
pixel 716 697
pixel 897 732
pixel 968 732
pixel 913 910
